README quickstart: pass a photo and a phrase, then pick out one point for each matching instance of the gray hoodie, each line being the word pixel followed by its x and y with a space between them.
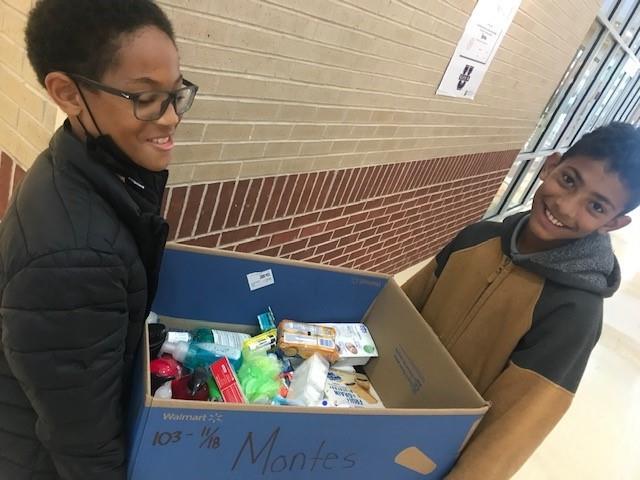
pixel 587 263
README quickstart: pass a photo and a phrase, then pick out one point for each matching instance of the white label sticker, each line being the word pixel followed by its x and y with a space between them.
pixel 260 279
pixel 173 337
pixel 232 339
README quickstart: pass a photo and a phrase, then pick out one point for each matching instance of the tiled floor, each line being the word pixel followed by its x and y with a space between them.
pixel 599 438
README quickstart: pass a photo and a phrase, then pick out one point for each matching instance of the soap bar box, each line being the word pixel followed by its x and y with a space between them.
pixel 431 407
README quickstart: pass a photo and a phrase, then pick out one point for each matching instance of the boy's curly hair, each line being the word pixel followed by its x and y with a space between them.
pixel 83 36
pixel 618 144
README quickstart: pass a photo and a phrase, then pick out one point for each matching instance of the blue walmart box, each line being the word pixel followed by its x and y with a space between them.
pixel 431 407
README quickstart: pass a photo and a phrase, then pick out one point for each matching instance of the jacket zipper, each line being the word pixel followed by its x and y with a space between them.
pixel 496 277
pixel 506 261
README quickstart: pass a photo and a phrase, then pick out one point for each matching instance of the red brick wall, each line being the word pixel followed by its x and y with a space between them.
pixel 383 218
pixel 11 175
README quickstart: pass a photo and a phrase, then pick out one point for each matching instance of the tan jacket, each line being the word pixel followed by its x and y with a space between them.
pixel 522 338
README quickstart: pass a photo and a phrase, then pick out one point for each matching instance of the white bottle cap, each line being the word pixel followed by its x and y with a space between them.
pixel 164 391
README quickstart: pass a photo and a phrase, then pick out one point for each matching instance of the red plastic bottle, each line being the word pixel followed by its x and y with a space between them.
pixel 191 387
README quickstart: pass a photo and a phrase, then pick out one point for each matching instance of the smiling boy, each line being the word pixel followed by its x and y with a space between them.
pixel 81 243
pixel 518 304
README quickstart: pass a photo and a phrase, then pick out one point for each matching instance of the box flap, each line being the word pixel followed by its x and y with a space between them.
pixel 413 370
pixel 205 284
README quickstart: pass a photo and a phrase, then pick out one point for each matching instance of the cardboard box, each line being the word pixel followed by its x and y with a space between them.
pixel 431 407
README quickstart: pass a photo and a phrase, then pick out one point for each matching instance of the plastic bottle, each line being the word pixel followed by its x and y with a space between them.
pixel 157 336
pixel 193 355
pixel 214 391
pixel 163 369
pixel 191 387
pixel 208 335
pixel 164 391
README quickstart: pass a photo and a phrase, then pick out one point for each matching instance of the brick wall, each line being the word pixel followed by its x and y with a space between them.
pixel 383 218
pixel 27 116
pixel 11 175
pixel 291 86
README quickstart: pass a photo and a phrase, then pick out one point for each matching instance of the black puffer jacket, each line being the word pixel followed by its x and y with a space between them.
pixel 80 248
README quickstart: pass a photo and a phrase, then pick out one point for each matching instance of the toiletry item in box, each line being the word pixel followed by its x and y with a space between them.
pixel 227 380
pixel 267 321
pixel 264 341
pixel 208 335
pixel 193 355
pixel 191 387
pixel 345 389
pixel 305 339
pixel 354 343
pixel 162 370
pixel 157 336
pixel 309 380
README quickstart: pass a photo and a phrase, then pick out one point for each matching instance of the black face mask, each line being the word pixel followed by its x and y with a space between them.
pixel 145 188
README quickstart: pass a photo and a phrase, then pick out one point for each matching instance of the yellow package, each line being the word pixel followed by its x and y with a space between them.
pixel 264 341
pixel 305 339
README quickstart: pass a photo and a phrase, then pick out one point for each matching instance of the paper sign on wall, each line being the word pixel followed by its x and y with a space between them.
pixel 478 45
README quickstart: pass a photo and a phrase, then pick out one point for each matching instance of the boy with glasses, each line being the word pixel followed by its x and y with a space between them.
pixel 81 243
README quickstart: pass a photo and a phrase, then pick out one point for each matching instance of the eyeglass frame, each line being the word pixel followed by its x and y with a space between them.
pixel 133 97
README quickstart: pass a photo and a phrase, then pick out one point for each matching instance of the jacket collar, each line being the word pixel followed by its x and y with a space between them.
pixel 586 263
pixel 129 188
pixel 132 191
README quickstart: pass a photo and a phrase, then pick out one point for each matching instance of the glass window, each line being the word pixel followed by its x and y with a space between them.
pixel 529 198
pixel 595 92
pixel 621 15
pixel 514 172
pixel 626 100
pixel 608 99
pixel 620 97
pixel 628 106
pixel 524 185
pixel 631 29
pixel 632 112
pixel 566 83
pixel 576 94
pixel 635 44
pixel 607 7
pixel 634 118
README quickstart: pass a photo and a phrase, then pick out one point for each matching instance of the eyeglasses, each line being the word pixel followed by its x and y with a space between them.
pixel 151 105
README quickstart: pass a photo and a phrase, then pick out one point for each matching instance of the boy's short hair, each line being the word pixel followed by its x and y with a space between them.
pixel 618 144
pixel 81 36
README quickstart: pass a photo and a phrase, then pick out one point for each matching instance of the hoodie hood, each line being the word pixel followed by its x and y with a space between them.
pixel 587 263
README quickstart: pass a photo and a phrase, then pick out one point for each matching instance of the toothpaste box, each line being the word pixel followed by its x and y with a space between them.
pixel 227 381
